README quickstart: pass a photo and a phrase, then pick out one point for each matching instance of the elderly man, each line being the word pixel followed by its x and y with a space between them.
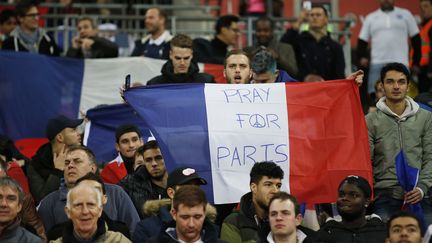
pixel 84 209
pixel 11 202
pixel 80 161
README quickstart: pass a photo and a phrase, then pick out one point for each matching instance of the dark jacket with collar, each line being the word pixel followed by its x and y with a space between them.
pixel 209 234
pixel 244 225
pixel 213 51
pixel 324 57
pixel 140 188
pixel 159 215
pixel 192 76
pixel 43 177
pixel 14 233
pixel 374 231
pixel 101 48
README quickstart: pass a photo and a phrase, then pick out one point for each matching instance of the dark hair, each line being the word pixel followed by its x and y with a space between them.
pixel 235 52
pixel 152 144
pixel 402 214
pixel 14 185
pixel 91 156
pixel 24 6
pixel 283 196
pixel 190 196
pixel 125 128
pixel 225 21
pixel 395 66
pixel 6 14
pixel 182 41
pixel 265 168
pixel 430 1
pixel 321 7
pixel 92 177
pixel 91 20
pixel 263 61
pixel 265 19
pixel 360 182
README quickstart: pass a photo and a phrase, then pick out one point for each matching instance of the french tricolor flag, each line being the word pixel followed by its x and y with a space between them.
pixel 315 131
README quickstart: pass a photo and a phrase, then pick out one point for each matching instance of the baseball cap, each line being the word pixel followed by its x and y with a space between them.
pixel 359 181
pixel 184 175
pixel 57 124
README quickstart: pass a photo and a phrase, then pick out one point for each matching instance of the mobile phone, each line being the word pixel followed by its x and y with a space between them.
pixel 127 82
pixel 307 5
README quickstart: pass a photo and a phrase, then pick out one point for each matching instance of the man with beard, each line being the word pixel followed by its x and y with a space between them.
pixel 243 225
pixel 283 52
pixel 353 199
pixel 46 168
pixel 180 68
pixel 128 140
pixel 150 178
pixel 79 162
pixel 156 43
pixel 237 67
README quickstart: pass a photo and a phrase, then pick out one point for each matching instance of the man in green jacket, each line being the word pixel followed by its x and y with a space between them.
pixel 399 124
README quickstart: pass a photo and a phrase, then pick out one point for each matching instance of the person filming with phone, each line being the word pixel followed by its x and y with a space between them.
pixel 88 45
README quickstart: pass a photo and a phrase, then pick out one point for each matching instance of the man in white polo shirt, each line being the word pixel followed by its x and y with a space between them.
pixel 388 29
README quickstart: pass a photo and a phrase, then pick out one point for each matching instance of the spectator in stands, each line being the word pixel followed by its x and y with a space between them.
pixel 156 43
pixel 84 209
pixel 78 162
pixel 237 69
pixel 425 74
pixel 316 52
pixel 283 52
pixel 284 218
pixel 88 45
pixel 92 180
pixel 180 68
pixel 388 29
pixel 27 36
pixel 28 215
pixel 15 162
pixel 264 68
pixel 353 199
pixel 46 168
pixel 158 211
pixel 399 124
pixel 11 204
pixel 227 34
pixel 189 222
pixel 128 140
pixel 149 180
pixel 244 225
pixel 8 22
pixel 404 227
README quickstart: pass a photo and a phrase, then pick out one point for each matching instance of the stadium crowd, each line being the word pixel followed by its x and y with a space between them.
pixel 61 195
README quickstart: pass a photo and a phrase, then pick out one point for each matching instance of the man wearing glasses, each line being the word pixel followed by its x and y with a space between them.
pixel 27 36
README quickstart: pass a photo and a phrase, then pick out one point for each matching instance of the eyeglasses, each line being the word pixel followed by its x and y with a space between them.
pixel 32 15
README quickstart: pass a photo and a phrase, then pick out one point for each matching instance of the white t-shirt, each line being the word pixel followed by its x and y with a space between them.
pixel 389 33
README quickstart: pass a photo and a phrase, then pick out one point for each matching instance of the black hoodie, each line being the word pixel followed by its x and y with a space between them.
pixel 192 76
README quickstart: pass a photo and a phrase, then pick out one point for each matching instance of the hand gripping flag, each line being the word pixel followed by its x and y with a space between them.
pixel 408 177
pixel 315 131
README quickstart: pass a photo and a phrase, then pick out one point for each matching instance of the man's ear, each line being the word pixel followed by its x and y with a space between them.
pixel 173 213
pixel 298 219
pixel 170 192
pixel 117 147
pixel 253 187
pixel 59 137
pixel 67 212
pixel 104 199
pixel 224 73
